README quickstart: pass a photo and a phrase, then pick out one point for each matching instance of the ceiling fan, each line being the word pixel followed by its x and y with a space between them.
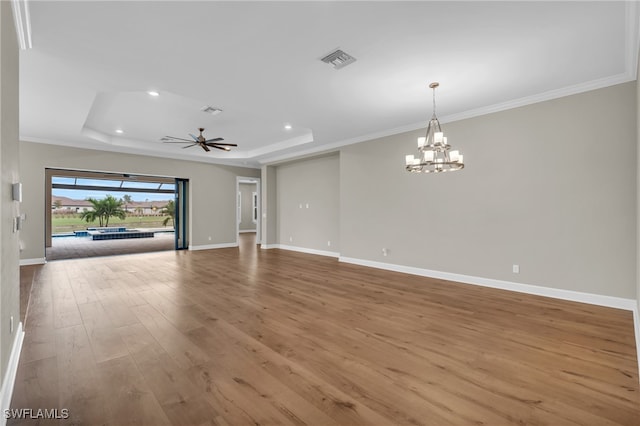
pixel 200 140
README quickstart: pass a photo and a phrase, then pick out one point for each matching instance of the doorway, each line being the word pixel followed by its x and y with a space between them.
pixel 248 209
pixel 92 213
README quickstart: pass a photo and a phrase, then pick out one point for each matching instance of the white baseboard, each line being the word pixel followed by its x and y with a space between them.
pixel 574 296
pixel 301 250
pixel 9 379
pixel 213 246
pixel 36 261
pixel 309 250
pixel 246 231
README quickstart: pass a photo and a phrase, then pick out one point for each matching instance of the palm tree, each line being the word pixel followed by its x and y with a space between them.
pixel 170 211
pixel 126 199
pixel 103 210
pixel 112 207
pixel 94 213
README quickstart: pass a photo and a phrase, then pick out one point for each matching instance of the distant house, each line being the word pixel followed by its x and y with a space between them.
pixel 67 205
pixel 146 208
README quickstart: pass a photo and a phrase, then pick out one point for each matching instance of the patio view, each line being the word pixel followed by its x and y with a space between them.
pixel 87 220
pixel 69 215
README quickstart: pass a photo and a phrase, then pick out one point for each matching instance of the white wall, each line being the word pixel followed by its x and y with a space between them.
pixel 549 186
pixel 308 203
pixel 212 198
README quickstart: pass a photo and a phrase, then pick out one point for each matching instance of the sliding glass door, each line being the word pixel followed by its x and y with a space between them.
pixel 182 223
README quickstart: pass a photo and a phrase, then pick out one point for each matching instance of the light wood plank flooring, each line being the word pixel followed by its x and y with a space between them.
pixel 255 337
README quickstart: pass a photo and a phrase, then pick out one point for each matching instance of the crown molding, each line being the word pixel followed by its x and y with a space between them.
pixel 632 38
pixel 22 21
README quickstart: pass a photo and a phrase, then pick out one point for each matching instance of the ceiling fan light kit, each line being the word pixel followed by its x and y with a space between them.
pixel 201 141
pixel 434 152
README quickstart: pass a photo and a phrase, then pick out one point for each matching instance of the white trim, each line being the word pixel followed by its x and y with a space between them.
pixel 632 38
pixel 245 231
pixel 574 296
pixel 213 246
pixel 258 183
pixel 22 21
pixel 541 97
pixel 301 250
pixel 636 328
pixel 35 261
pixel 9 379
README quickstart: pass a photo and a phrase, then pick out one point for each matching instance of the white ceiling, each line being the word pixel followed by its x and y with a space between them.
pixel 93 62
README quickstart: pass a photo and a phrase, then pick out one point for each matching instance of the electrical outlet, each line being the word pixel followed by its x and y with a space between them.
pixel 385 251
pixel 209 237
pixel 307 205
pixel 290 239
pixel 516 269
pixel 328 243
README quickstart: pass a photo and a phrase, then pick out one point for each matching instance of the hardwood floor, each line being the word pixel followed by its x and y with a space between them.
pixel 245 336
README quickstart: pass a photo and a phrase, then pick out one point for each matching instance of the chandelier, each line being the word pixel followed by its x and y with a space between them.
pixel 434 153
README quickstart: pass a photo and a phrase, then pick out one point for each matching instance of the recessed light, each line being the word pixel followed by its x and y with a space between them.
pixel 288 126
pixel 153 93
pixel 120 131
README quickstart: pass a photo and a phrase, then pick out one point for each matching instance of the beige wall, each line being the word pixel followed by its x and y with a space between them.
pixel 246 214
pixel 308 203
pixel 269 194
pixel 9 153
pixel 212 198
pixel 549 186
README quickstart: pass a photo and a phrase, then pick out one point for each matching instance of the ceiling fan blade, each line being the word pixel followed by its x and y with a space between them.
pixel 215 140
pixel 194 137
pixel 222 144
pixel 189 146
pixel 177 142
pixel 219 147
pixel 205 147
pixel 170 138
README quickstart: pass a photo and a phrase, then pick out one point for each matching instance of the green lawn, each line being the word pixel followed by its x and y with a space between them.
pixel 69 223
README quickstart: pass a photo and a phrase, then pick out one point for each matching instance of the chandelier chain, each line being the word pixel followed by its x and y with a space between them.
pixel 434 102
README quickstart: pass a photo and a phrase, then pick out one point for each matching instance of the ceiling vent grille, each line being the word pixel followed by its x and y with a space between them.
pixel 211 110
pixel 338 59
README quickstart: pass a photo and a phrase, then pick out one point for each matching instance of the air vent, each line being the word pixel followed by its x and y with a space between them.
pixel 211 110
pixel 338 59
